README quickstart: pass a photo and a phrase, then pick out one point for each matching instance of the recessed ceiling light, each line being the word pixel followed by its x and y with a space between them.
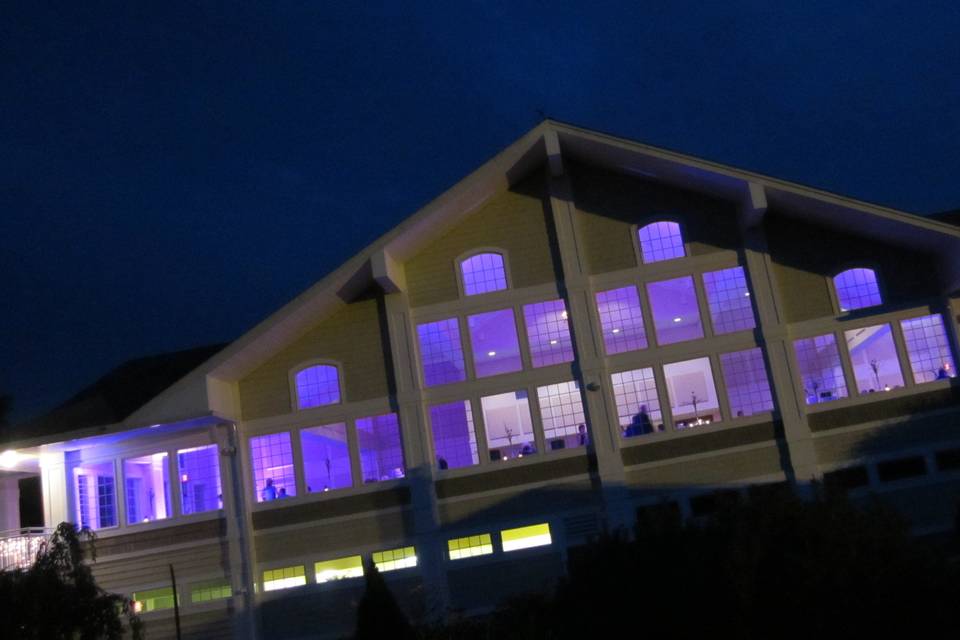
pixel 553 342
pixel 747 294
pixel 615 331
pixel 491 353
pixel 678 319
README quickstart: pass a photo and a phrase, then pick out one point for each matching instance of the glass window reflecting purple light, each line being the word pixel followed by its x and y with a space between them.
pixel 440 352
pixel 561 409
pixel 928 348
pixel 454 438
pixel 326 458
pixel 147 483
pixel 820 368
pixel 317 385
pixel 661 241
pixel 548 332
pixel 381 451
pixel 483 273
pixel 272 457
pixel 621 320
pixel 493 336
pixel 857 289
pixel 748 387
pixel 94 491
pixel 199 470
pixel 506 418
pixel 693 396
pixel 873 355
pixel 676 315
pixel 638 405
pixel 729 300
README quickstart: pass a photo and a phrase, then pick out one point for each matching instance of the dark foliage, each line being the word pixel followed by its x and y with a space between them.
pixel 57 597
pixel 378 614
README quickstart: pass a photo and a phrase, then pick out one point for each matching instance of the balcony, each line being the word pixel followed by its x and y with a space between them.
pixel 18 547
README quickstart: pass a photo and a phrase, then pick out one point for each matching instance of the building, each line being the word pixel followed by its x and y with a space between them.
pixel 583 327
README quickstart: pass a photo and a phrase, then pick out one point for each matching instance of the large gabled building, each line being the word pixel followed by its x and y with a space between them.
pixel 583 327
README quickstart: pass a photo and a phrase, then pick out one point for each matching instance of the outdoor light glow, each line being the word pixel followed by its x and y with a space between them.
pixel 8 459
pixel 746 295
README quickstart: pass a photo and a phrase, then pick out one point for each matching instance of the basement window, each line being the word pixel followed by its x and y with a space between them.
pixel 153 600
pixel 470 546
pixel 210 591
pixel 394 559
pixel 339 569
pixel 285 578
pixel 537 535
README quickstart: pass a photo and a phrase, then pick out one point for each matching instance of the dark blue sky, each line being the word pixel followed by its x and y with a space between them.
pixel 171 175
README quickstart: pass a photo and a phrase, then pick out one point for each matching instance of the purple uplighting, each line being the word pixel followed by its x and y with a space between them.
pixel 483 273
pixel 381 451
pixel 493 336
pixel 748 388
pixel 857 289
pixel 820 368
pixel 440 352
pixel 638 404
pixel 454 438
pixel 873 355
pixel 199 470
pixel 95 492
pixel 729 300
pixel 317 385
pixel 621 320
pixel 561 410
pixel 928 348
pixel 661 241
pixel 272 458
pixel 676 315
pixel 326 458
pixel 548 332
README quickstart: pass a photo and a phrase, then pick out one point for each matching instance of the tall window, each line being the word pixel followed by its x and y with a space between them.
pixel 693 396
pixel 483 273
pixel 326 458
pixel 317 385
pixel 506 417
pixel 820 368
pixel 272 457
pixel 873 355
pixel 748 388
pixel 381 451
pixel 496 349
pixel 548 332
pixel 676 314
pixel 928 348
pixel 729 300
pixel 440 352
pixel 661 241
pixel 561 408
pixel 638 405
pixel 454 438
pixel 95 495
pixel 199 470
pixel 621 320
pixel 857 289
pixel 147 481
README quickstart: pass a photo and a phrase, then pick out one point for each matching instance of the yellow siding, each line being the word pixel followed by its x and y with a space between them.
pixel 731 467
pixel 352 337
pixel 147 569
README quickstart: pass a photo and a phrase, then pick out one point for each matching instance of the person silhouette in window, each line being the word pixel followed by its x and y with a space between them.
pixel 269 491
pixel 640 424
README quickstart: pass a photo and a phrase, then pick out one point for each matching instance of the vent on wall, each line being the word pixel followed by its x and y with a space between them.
pixel 582 527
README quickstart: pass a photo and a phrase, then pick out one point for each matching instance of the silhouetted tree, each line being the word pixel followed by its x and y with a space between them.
pixel 378 614
pixel 57 597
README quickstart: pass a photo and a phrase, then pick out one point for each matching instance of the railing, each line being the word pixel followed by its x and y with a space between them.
pixel 18 547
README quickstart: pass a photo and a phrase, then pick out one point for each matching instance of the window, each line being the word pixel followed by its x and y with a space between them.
pixel 339 569
pixel 326 458
pixel 748 388
pixel 928 348
pixel 483 273
pixel 638 405
pixel 199 469
pixel 440 352
pixel 147 481
pixel 381 452
pixel 857 289
pixel 873 355
pixel 676 315
pixel 548 333
pixel 661 241
pixel 729 300
pixel 820 369
pixel 210 591
pixel 285 578
pixel 317 386
pixel 470 546
pixel 272 458
pixel 506 417
pixel 493 336
pixel 693 396
pixel 561 409
pixel 153 600
pixel 95 495
pixel 536 535
pixel 454 438
pixel 395 559
pixel 621 320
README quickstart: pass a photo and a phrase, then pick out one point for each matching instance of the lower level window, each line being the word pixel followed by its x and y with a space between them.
pixel 210 591
pixel 285 578
pixel 153 600
pixel 536 535
pixel 470 546
pixel 339 569
pixel 394 559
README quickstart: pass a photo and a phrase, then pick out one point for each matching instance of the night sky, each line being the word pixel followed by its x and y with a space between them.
pixel 171 175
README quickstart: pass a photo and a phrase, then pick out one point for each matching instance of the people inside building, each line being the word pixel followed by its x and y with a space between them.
pixel 269 491
pixel 640 424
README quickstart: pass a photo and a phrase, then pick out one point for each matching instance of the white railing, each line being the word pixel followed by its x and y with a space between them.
pixel 18 547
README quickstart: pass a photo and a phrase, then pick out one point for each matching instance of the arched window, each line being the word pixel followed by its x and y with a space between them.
pixel 661 241
pixel 483 273
pixel 857 289
pixel 317 385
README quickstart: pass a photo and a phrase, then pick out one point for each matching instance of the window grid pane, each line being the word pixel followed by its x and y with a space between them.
pixel 857 289
pixel 210 591
pixel 621 320
pixel 561 410
pixel 199 469
pixel 661 241
pixel 381 452
pixel 676 314
pixel 318 385
pixel 820 368
pixel 748 387
pixel 285 578
pixel 873 355
pixel 496 349
pixel 470 546
pixel 729 300
pixel 441 354
pixel 153 600
pixel 548 332
pixel 537 535
pixel 928 348
pixel 395 559
pixel 638 405
pixel 326 458
pixel 272 457
pixel 454 438
pixel 483 273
